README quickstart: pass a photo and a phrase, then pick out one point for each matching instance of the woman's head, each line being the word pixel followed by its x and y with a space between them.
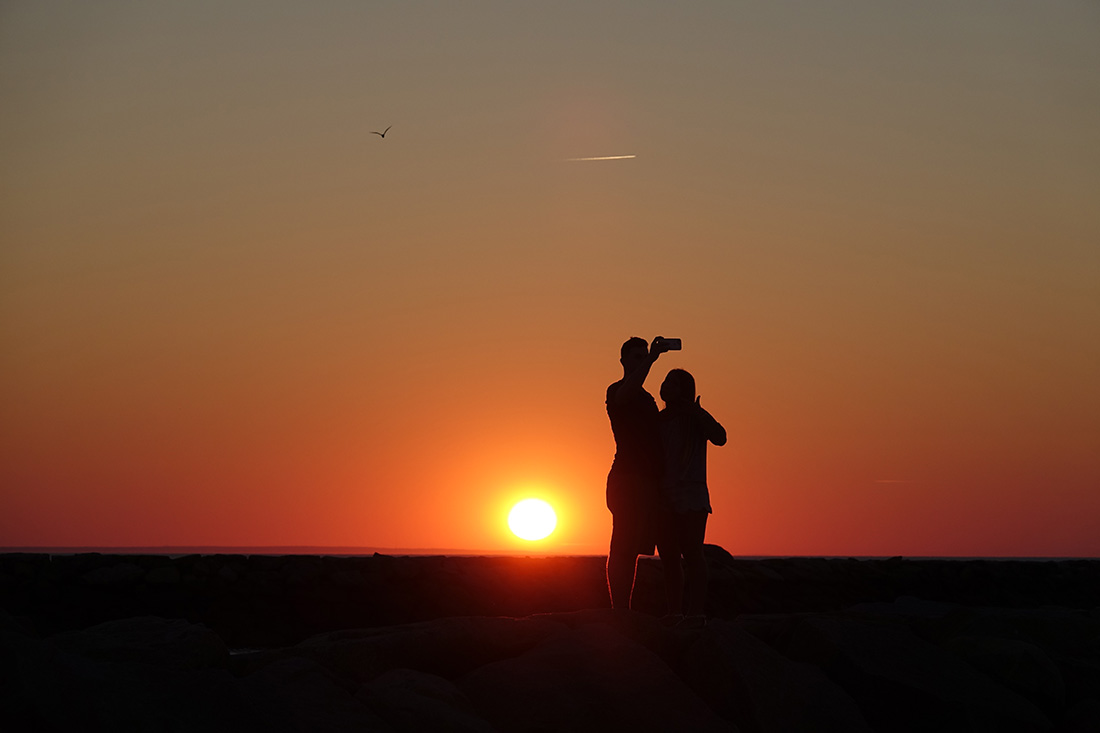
pixel 678 387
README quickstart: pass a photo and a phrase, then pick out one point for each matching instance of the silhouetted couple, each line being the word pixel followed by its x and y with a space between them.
pixel 657 488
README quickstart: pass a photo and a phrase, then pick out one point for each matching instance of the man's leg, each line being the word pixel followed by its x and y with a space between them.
pixel 622 564
pixel 622 557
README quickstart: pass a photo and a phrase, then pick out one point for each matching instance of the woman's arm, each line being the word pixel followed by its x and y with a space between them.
pixel 712 429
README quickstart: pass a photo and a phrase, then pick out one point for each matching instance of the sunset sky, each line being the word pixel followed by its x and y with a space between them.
pixel 232 316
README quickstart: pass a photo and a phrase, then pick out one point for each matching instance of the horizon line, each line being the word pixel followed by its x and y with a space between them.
pixel 453 552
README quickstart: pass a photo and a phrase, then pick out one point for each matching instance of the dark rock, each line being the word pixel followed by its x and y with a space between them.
pixel 312 699
pixel 444 647
pixel 148 640
pixel 9 623
pixel 588 678
pixel 352 578
pixel 163 575
pixel 122 573
pixel 745 680
pixel 907 607
pixel 410 700
pixel 1082 677
pixel 45 688
pixel 303 570
pixel 227 573
pixel 1050 627
pixel 305 595
pixel 1018 665
pixel 420 642
pixel 1084 717
pixel 904 683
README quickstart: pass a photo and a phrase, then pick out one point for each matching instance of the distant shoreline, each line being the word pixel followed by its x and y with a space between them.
pixel 281 550
pixel 278 550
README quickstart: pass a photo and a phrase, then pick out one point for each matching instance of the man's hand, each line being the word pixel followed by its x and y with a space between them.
pixel 657 347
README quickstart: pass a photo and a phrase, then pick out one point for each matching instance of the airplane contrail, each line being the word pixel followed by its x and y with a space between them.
pixel 603 157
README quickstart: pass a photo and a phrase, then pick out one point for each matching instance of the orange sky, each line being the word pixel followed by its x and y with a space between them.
pixel 232 316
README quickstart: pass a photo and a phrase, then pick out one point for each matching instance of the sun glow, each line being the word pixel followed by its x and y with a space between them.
pixel 532 519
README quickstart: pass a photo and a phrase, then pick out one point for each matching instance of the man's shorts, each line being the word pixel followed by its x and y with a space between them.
pixel 633 534
pixel 632 498
pixel 634 529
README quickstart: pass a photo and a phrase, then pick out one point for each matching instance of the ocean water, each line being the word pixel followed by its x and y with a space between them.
pixel 176 551
pixel 335 551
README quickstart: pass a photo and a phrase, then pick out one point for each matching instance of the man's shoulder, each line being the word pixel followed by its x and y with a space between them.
pixel 612 389
pixel 637 399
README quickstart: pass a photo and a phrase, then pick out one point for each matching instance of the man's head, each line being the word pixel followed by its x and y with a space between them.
pixel 678 388
pixel 633 353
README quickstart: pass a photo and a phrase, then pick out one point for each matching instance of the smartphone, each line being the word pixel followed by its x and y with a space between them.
pixel 671 344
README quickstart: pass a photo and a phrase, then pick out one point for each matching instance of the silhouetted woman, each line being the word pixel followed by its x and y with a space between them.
pixel 685 500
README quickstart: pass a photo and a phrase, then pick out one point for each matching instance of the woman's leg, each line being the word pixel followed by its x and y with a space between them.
pixel 693 527
pixel 668 547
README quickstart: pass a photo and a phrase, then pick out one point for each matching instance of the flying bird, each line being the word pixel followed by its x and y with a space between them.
pixel 381 134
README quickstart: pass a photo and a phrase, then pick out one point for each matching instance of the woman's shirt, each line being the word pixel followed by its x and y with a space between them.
pixel 683 435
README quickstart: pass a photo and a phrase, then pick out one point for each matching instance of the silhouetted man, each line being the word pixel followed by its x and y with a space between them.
pixel 634 482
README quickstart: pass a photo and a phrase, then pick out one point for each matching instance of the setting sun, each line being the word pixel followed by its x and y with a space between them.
pixel 532 519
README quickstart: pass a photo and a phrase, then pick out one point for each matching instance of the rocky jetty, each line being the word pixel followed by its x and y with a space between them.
pixel 218 642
